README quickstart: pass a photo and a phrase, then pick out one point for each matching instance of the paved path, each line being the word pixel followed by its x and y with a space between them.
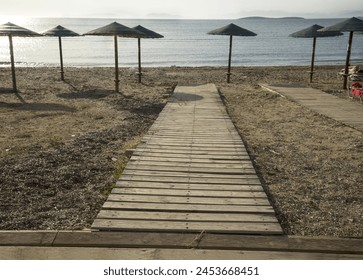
pixel 345 111
pixel 192 173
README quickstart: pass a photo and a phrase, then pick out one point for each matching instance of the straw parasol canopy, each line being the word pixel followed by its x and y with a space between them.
pixel 147 34
pixel 231 30
pixel 12 30
pixel 350 25
pixel 312 32
pixel 116 29
pixel 60 31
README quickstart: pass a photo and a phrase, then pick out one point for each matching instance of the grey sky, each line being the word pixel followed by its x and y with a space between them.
pixel 200 9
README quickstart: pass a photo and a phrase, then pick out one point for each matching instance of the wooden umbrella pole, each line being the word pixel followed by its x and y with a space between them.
pixel 229 58
pixel 117 81
pixel 12 63
pixel 312 60
pixel 61 57
pixel 139 54
pixel 346 71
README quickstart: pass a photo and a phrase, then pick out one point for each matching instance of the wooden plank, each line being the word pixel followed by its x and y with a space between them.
pixel 159 147
pixel 193 156
pixel 177 134
pixel 179 139
pixel 287 243
pixel 189 151
pixel 176 226
pixel 196 145
pixel 218 166
pixel 192 135
pixel 280 243
pixel 191 160
pixel 211 169
pixel 185 216
pixel 258 201
pixel 27 237
pixel 187 186
pixel 140 178
pixel 191 139
pixel 92 253
pixel 187 207
pixel 150 173
pixel 192 193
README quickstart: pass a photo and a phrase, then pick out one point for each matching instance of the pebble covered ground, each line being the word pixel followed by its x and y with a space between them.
pixel 62 151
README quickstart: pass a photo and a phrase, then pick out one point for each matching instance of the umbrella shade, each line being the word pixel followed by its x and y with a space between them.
pixel 147 34
pixel 350 25
pixel 312 32
pixel 60 31
pixel 231 30
pixel 116 29
pixel 9 29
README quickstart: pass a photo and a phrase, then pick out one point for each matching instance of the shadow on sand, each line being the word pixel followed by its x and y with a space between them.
pixel 37 107
pixel 11 91
pixel 180 96
pixel 88 94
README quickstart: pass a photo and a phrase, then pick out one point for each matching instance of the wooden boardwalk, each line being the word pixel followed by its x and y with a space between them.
pixel 349 113
pixel 192 173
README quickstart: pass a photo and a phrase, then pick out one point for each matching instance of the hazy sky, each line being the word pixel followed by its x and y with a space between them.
pixel 200 9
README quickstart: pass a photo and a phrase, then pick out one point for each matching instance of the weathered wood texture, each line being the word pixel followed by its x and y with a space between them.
pixel 345 111
pixel 191 173
pixel 66 245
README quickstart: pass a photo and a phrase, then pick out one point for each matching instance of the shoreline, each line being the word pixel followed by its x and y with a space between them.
pixel 7 65
pixel 63 150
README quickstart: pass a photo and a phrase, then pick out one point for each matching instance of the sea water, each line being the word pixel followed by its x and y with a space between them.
pixel 185 43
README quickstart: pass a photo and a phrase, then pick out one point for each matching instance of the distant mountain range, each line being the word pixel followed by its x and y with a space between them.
pixel 257 17
pixel 298 18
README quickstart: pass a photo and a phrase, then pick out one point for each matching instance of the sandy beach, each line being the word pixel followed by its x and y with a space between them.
pixel 62 150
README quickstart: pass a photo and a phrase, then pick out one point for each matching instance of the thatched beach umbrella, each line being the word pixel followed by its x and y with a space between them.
pixel 116 29
pixel 60 31
pixel 231 30
pixel 350 25
pixel 312 32
pixel 12 30
pixel 147 34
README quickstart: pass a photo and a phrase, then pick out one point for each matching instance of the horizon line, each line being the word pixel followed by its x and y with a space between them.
pixel 175 18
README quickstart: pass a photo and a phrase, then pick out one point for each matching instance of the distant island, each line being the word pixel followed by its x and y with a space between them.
pixel 257 17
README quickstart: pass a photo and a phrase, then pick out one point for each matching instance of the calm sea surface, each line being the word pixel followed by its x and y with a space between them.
pixel 185 43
